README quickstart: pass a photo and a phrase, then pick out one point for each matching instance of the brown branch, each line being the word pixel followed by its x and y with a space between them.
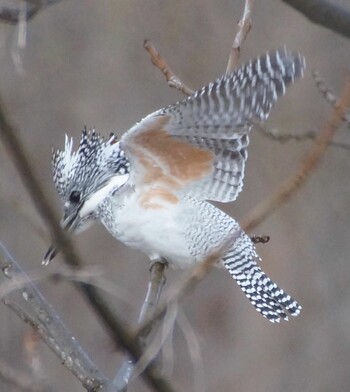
pixel 307 166
pixel 113 324
pixel 159 62
pixel 174 81
pixel 244 26
pixel 326 13
pixel 13 15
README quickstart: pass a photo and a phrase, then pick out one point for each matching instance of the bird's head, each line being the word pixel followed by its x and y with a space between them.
pixel 84 178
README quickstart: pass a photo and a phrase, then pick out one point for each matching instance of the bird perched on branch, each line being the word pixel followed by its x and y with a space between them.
pixel 151 189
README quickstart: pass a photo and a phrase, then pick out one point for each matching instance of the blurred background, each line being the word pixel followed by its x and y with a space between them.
pixel 83 64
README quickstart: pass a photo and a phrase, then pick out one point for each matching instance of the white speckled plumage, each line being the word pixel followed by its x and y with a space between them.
pixel 151 189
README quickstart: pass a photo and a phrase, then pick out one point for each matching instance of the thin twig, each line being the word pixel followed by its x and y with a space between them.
pixel 244 26
pixel 162 65
pixel 155 286
pixel 327 93
pixel 274 134
pixel 188 282
pixel 326 13
pixel 154 348
pixel 307 166
pixel 324 90
pixel 89 275
pixel 32 307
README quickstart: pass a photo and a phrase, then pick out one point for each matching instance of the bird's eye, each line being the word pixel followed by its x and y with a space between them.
pixel 74 197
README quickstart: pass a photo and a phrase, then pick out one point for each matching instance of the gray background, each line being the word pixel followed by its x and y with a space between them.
pixel 83 64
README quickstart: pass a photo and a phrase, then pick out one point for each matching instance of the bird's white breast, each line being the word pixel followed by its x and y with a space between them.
pixel 154 231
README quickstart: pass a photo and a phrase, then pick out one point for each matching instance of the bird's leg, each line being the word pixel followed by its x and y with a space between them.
pixel 156 283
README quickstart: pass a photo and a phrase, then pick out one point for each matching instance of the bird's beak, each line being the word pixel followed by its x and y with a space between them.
pixel 68 223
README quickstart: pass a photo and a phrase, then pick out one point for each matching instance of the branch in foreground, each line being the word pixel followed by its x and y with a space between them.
pixel 244 26
pixel 30 305
pixel 155 286
pixel 307 166
pixel 326 13
pixel 13 15
pixel 113 324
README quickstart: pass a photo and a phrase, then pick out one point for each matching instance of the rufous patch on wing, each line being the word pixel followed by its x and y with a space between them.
pixel 155 198
pixel 168 160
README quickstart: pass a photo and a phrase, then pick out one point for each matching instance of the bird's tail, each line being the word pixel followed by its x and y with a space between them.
pixel 267 298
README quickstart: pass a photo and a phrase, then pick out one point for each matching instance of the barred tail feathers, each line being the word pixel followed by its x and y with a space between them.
pixel 267 298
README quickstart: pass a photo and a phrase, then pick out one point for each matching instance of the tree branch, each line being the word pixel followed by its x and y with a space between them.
pixel 155 286
pixel 244 26
pixel 326 13
pixel 31 306
pixel 274 134
pixel 307 166
pixel 159 62
pixel 188 282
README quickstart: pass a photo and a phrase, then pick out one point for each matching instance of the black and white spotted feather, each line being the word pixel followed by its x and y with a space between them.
pixel 219 117
pixel 90 167
pixel 207 230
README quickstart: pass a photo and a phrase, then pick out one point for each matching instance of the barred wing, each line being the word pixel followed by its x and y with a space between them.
pixel 198 146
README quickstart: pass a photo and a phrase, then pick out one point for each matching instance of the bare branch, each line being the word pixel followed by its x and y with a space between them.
pixel 155 286
pixel 189 281
pixel 244 26
pixel 13 15
pixel 324 90
pixel 153 349
pixel 173 80
pixel 30 305
pixel 327 93
pixel 161 64
pixel 307 166
pixel 274 134
pixel 326 13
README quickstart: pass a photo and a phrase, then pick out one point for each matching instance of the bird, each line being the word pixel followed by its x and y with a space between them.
pixel 153 190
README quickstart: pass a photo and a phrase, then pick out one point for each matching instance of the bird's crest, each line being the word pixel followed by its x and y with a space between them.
pixel 90 167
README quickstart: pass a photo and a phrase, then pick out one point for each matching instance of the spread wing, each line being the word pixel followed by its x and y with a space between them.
pixel 198 146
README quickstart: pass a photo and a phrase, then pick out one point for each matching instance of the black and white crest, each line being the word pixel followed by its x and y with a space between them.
pixel 90 167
